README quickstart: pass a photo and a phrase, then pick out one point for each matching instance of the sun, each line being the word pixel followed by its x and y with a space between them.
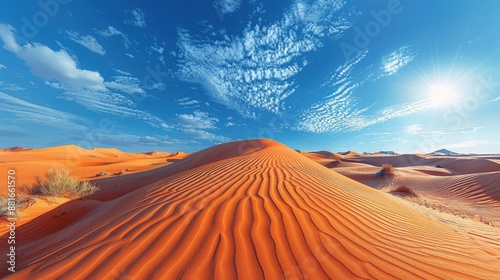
pixel 443 95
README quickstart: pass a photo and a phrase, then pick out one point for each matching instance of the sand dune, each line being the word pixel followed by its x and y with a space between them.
pixel 81 162
pixel 248 210
pixel 466 186
pixel 457 165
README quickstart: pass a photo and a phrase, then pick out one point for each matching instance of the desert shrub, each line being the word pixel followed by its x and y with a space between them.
pixel 387 169
pixel 57 182
pixel 22 201
pixel 404 190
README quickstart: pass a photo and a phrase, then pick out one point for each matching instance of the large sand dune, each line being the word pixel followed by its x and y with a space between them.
pixel 248 210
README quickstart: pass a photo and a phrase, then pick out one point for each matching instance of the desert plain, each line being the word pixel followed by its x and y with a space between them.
pixel 257 209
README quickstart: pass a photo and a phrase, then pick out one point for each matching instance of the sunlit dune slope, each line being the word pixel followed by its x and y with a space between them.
pixel 82 163
pixel 467 186
pixel 248 210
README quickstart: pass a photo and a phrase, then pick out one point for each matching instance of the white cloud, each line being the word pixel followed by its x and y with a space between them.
pixel 197 120
pixel 123 73
pixel 10 87
pixel 2 67
pixel 60 67
pixel 254 71
pixel 85 87
pixel 112 31
pixel 157 49
pixel 130 55
pixel 112 104
pixel 139 18
pixel 417 129
pixel 336 112
pixel 125 84
pixel 495 99
pixel 7 35
pixel 51 65
pixel 204 135
pixel 339 111
pixel 227 6
pixel 26 111
pixel 89 42
pixel 127 139
pixel 472 143
pixel 195 125
pixel 396 60
pixel 188 102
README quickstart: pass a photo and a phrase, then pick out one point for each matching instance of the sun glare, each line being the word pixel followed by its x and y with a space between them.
pixel 443 95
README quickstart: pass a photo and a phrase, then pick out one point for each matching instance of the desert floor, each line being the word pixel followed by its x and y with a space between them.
pixel 257 209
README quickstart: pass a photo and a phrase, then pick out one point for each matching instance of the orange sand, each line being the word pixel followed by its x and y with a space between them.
pixel 81 162
pixel 248 210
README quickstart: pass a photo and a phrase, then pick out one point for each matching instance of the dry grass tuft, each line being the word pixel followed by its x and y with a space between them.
pixel 57 182
pixel 22 201
pixel 387 169
pixel 404 191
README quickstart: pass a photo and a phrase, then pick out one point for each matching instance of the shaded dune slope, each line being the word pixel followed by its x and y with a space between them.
pixel 457 165
pixel 248 210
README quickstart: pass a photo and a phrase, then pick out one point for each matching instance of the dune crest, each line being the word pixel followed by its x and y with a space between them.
pixel 245 210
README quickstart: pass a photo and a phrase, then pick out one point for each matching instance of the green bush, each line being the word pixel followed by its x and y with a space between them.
pixel 57 182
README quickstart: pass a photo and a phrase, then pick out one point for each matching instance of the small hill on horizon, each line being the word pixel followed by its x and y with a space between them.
pixel 444 152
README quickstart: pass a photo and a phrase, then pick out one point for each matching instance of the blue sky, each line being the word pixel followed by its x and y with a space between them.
pixel 409 76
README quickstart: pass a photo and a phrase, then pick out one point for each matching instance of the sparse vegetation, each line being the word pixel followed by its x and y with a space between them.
pixel 22 201
pixel 404 191
pixel 102 173
pixel 387 169
pixel 57 182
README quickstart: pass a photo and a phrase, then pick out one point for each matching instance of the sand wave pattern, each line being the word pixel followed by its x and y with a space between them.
pixel 245 210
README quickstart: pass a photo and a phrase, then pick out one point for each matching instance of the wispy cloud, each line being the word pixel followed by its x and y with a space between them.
pixel 495 99
pixel 125 84
pixel 112 104
pixel 195 126
pixel 138 20
pixel 30 112
pixel 197 120
pixel 204 136
pixel 255 70
pixel 13 131
pixel 472 144
pixel 2 67
pixel 396 60
pixel 188 102
pixel 123 73
pixel 88 41
pixel 127 139
pixel 338 111
pixel 130 55
pixel 227 6
pixel 10 87
pixel 87 88
pixel 419 130
pixel 112 31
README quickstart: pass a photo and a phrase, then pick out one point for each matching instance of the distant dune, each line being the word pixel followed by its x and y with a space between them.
pixel 251 209
pixel 82 163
